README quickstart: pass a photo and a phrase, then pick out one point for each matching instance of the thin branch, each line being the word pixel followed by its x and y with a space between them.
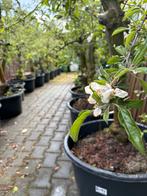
pixel 22 19
pixel 19 5
pixel 134 42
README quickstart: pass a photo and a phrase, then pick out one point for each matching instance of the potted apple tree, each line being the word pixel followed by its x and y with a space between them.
pixel 109 156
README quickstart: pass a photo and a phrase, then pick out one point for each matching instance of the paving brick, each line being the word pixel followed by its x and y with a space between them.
pixel 38 192
pixel 59 136
pixel 55 146
pixel 48 132
pixel 19 159
pixel 50 159
pixel 38 152
pixel 38 165
pixel 28 146
pixel 59 187
pixel 43 178
pixel 44 141
pixel 62 128
pixel 34 136
pixel 64 170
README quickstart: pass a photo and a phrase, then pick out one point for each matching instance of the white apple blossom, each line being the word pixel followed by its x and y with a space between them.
pixel 97 112
pixel 88 90
pixel 120 93
pixel 96 87
pixel 105 92
pixel 107 95
pixel 91 100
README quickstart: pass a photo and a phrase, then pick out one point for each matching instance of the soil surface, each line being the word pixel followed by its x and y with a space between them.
pixel 82 104
pixel 102 150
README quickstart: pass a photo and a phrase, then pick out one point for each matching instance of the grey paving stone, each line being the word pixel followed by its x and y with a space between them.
pixel 59 187
pixel 39 192
pixel 62 128
pixel 49 132
pixel 50 159
pixel 38 152
pixel 43 178
pixel 34 136
pixel 28 146
pixel 59 136
pixel 64 170
pixel 44 141
pixel 55 146
pixel 37 166
pixel 19 159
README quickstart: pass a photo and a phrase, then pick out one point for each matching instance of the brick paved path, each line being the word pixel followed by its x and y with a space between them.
pixel 31 145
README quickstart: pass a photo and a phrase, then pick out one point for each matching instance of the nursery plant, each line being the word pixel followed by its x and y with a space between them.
pixel 109 90
pixel 111 154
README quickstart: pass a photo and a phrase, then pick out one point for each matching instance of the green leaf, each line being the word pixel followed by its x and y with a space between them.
pixel 131 12
pixel 101 82
pixel 140 54
pixel 74 130
pixel 140 70
pixel 121 73
pixel 121 50
pixel 134 133
pixel 44 2
pixel 106 115
pixel 129 38
pixel 119 30
pixel 113 60
pixel 96 97
pixel 133 104
pixel 144 85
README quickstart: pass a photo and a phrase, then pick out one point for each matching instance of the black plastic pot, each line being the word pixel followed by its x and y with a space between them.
pixel 29 85
pixel 74 112
pixel 47 77
pixel 99 182
pixel 17 86
pixel 76 94
pixel 11 106
pixel 39 81
pixel 52 74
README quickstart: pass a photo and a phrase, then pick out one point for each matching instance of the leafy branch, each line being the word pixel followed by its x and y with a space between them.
pixel 22 19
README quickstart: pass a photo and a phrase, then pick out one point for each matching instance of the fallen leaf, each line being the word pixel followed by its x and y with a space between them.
pixel 24 130
pixel 15 189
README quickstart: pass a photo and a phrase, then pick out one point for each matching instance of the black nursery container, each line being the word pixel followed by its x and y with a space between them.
pixel 47 77
pixel 75 94
pixel 11 106
pixel 52 74
pixel 29 85
pixel 39 81
pixel 92 181
pixel 74 112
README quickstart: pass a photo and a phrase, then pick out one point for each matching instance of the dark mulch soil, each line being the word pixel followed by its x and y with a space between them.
pixel 82 104
pixel 103 151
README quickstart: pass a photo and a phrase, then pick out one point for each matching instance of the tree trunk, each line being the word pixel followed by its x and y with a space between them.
pixel 112 18
pixel 90 61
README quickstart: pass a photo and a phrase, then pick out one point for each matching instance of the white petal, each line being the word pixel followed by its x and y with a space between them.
pixel 95 86
pixel 120 93
pixel 91 100
pixel 97 112
pixel 107 95
pixel 88 90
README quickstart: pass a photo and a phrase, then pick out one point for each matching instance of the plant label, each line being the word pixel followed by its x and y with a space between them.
pixel 100 190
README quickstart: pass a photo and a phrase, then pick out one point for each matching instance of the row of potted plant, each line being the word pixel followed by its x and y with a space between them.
pixel 13 92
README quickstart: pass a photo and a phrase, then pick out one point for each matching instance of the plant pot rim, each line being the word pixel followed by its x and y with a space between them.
pixel 102 172
pixel 70 106
pixel 11 96
pixel 76 93
pixel 30 79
